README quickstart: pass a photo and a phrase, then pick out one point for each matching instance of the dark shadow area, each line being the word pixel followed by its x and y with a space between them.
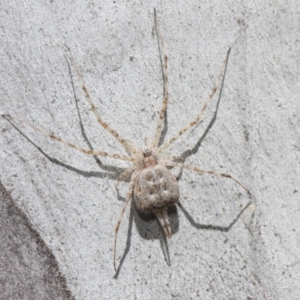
pixel 149 228
pixel 165 249
pixel 29 270
pixel 210 226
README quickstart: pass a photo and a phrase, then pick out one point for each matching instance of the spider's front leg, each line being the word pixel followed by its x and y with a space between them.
pixel 127 144
pixel 163 109
pixel 197 120
pixel 67 143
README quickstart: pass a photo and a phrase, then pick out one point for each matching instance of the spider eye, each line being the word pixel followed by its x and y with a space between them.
pixel 146 151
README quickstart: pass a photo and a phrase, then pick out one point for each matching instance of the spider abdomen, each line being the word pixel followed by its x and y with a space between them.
pixel 155 188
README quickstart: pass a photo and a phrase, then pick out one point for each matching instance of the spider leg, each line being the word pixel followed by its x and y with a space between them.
pixel 126 174
pixel 178 158
pixel 128 198
pixel 128 145
pixel 198 119
pixel 163 219
pixel 196 169
pixel 59 139
pixel 162 112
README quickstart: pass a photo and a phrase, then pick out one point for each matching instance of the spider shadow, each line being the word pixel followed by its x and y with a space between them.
pixel 148 228
pixel 196 147
pixel 104 167
pixel 112 172
pixel 210 226
pixel 111 175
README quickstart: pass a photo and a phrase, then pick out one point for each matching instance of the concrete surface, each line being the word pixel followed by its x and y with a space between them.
pixel 69 199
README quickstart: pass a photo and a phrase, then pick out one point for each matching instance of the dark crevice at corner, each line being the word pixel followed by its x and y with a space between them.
pixel 29 269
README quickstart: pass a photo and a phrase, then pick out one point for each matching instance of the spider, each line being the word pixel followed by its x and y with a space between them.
pixel 152 186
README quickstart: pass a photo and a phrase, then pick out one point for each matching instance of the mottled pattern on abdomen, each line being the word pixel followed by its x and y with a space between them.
pixel 155 188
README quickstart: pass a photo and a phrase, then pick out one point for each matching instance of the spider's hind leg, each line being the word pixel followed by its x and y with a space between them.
pixel 163 219
pixel 128 198
pixel 201 171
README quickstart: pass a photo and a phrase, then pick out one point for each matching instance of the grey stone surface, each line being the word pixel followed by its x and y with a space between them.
pixel 70 198
pixel 28 268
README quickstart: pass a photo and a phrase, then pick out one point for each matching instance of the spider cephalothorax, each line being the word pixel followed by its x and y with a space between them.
pixel 152 185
